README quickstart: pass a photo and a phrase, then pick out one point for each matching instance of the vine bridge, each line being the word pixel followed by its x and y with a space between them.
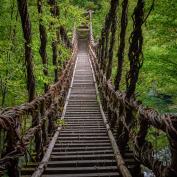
pixel 84 126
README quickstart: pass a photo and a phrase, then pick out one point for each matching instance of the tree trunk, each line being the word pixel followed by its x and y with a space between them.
pixel 122 44
pixel 64 37
pixel 12 139
pixel 55 62
pixel 55 12
pixel 4 93
pixel 26 26
pixel 112 41
pixel 135 50
pixel 43 39
pixel 105 33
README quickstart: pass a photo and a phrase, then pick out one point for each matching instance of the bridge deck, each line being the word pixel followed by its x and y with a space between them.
pixel 83 148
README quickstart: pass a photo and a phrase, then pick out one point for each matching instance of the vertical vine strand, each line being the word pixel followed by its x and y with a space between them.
pixel 26 26
pixel 112 41
pixel 55 12
pixel 135 50
pixel 124 22
pixel 105 33
pixel 43 40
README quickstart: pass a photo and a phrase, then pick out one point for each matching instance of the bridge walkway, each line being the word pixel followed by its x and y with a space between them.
pixel 83 147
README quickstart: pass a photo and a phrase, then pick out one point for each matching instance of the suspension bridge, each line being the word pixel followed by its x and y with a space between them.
pixel 83 126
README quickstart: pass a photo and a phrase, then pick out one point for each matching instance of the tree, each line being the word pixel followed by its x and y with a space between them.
pixel 26 25
pixel 121 49
pixel 43 39
pixel 55 13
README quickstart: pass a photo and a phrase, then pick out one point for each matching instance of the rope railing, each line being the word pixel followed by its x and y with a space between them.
pixel 119 158
pixel 129 118
pixel 132 121
pixel 46 110
pixel 92 52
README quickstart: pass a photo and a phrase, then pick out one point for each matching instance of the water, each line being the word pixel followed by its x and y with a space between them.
pixel 163 155
pixel 148 173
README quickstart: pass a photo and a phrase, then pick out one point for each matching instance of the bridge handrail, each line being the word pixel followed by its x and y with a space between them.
pixel 46 109
pixel 119 159
pixel 120 108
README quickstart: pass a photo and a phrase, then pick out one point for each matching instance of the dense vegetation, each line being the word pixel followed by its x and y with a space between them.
pixel 157 83
pixel 35 46
pixel 158 78
pixel 12 60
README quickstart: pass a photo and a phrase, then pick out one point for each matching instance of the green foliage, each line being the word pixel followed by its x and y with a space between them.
pixel 160 51
pixel 60 122
pixel 158 139
pixel 12 77
pixel 12 68
pixel 73 14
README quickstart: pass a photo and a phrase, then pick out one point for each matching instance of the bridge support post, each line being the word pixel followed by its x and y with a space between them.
pixel 173 166
pixel 13 169
pixel 173 148
pixel 38 136
pixel 44 125
pixel 50 124
pixel 120 135
pixel 124 125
